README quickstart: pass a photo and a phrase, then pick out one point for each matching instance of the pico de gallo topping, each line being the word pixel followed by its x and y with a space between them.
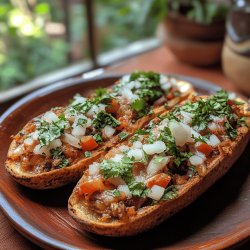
pixel 62 136
pixel 154 164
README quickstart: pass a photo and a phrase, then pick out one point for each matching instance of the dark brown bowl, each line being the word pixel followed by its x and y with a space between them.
pixel 181 26
pixel 195 52
pixel 218 219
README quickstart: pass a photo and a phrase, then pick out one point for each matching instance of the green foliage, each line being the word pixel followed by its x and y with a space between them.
pixel 201 11
pixel 25 49
pixel 122 22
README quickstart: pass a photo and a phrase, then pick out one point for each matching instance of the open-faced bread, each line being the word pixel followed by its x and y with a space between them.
pixel 97 214
pixel 46 169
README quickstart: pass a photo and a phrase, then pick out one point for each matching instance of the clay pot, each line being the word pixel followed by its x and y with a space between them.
pixel 236 50
pixel 192 42
pixel 236 67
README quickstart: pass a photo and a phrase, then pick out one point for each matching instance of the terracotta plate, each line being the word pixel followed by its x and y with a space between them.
pixel 218 219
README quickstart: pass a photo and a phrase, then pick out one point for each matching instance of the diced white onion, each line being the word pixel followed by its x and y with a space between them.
pixel 38 150
pixel 165 84
pixel 130 85
pixel 78 99
pixel 28 141
pixel 163 79
pixel 213 140
pixel 155 148
pixel 35 135
pixel 137 144
pixel 216 118
pixel 201 155
pixel 212 126
pixel 183 86
pixel 93 111
pixel 155 165
pixel 50 117
pixel 117 158
pixel 123 148
pixel 78 131
pixel 94 168
pixel 73 141
pixel 195 134
pixel 181 133
pixel 128 95
pixel 232 95
pixel 80 117
pixel 125 189
pixel 156 192
pixel 139 178
pixel 136 153
pixel 196 160
pixel 55 144
pixel 101 107
pixel 187 117
pixel 117 181
pixel 125 78
pixel 108 131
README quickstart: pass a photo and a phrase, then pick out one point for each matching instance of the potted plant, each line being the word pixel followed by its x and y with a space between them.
pixel 194 30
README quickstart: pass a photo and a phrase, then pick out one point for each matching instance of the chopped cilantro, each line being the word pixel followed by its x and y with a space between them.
pixel 137 133
pixel 81 121
pixel 51 131
pixel 123 136
pixel 98 138
pixel 138 189
pixel 102 96
pixel 114 192
pixel 87 154
pixel 170 193
pixel 150 76
pixel 57 153
pixel 216 105
pixel 104 119
pixel 242 122
pixel 138 105
pixel 179 156
pixel 231 132
pixel 123 169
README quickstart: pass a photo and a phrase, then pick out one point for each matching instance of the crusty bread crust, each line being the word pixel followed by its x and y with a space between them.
pixel 52 179
pixel 150 216
pixel 59 177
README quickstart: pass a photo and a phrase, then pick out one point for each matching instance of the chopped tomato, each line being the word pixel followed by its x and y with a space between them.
pixel 159 179
pixel 88 143
pixel 123 124
pixel 113 107
pixel 205 148
pixel 91 186
pixel 170 96
pixel 230 102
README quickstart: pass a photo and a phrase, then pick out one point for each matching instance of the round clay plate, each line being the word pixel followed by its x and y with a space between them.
pixel 218 219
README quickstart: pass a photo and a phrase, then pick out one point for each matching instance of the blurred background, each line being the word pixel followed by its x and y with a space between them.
pixel 40 36
pixel 46 41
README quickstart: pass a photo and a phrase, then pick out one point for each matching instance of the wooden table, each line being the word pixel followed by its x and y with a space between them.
pixel 160 60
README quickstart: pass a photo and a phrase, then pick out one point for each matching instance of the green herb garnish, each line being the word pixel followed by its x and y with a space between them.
pixel 57 153
pixel 103 119
pixel 138 189
pixel 123 136
pixel 87 154
pixel 48 132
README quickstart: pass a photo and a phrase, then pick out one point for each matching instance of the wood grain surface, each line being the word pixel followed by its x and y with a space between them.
pixel 218 219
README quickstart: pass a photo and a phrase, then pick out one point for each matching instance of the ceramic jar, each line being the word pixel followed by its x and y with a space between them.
pixel 236 49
